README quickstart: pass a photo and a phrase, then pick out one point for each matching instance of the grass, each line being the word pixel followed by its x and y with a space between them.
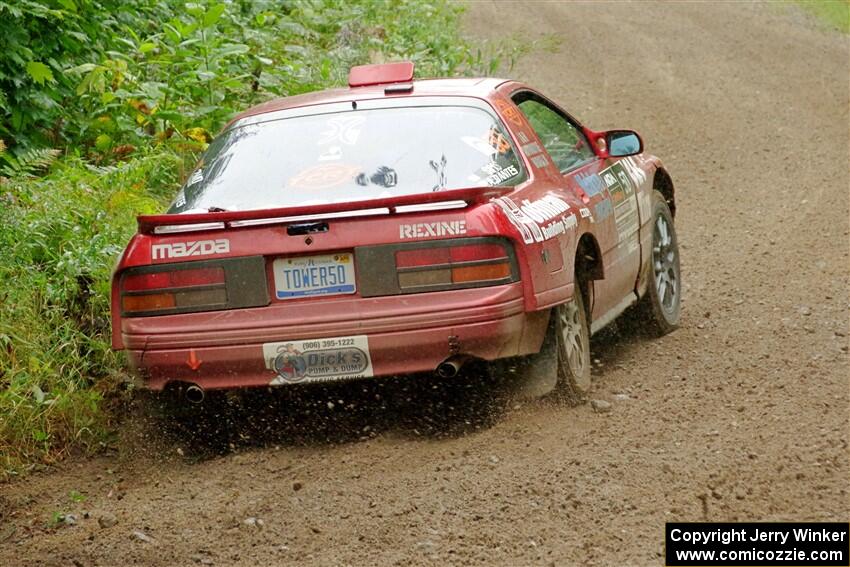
pixel 835 13
pixel 61 231
pixel 60 235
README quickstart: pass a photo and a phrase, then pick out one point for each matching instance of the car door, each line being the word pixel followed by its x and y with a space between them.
pixel 603 186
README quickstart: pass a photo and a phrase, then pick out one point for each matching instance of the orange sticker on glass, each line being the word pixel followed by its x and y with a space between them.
pixel 498 141
pixel 324 176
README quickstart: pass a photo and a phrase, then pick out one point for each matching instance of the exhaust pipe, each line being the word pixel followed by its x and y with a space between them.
pixel 449 368
pixel 194 394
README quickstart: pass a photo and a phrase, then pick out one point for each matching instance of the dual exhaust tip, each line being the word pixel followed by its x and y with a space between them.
pixel 194 394
pixel 449 368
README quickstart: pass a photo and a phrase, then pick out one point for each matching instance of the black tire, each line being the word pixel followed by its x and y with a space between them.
pixel 572 333
pixel 659 309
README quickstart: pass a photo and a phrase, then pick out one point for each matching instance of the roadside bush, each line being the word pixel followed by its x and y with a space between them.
pixel 130 91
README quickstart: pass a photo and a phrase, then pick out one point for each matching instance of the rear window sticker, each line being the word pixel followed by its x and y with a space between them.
pixel 384 177
pixel 196 177
pixel 498 141
pixel 499 174
pixel 478 144
pixel 440 169
pixel 333 153
pixel 180 200
pixel 343 129
pixel 324 176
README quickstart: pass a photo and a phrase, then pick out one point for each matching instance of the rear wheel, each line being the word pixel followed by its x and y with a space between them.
pixel 572 333
pixel 562 366
pixel 660 307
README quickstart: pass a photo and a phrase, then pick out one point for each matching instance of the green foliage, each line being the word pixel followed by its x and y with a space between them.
pixel 131 90
pixel 835 13
pixel 110 75
pixel 60 235
pixel 27 163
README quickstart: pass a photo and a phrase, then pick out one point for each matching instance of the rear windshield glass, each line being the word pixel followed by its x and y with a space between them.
pixel 350 156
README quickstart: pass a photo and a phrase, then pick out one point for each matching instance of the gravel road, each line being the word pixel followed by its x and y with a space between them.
pixel 742 414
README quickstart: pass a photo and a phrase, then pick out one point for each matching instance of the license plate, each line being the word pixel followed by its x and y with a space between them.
pixel 327 274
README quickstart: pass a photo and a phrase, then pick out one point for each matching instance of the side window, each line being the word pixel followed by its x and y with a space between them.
pixel 562 140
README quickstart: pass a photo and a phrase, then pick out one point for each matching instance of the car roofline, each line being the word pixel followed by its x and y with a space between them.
pixel 482 88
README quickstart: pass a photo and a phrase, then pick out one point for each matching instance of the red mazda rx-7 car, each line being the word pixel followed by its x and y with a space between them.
pixel 396 227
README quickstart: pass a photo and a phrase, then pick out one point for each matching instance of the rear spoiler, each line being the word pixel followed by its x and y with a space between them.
pixel 387 205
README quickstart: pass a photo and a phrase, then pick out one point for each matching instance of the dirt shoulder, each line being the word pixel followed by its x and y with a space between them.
pixel 742 414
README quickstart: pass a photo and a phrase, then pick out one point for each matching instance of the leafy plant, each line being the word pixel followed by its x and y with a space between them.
pixel 131 91
pixel 27 163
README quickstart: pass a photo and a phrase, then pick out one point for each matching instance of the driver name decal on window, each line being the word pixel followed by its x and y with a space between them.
pixel 498 174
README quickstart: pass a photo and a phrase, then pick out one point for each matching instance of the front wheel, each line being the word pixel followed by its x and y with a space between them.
pixel 660 306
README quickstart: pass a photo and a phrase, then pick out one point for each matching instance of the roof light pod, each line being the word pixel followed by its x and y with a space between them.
pixel 381 74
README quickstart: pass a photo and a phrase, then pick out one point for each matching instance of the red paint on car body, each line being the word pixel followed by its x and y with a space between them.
pixel 542 219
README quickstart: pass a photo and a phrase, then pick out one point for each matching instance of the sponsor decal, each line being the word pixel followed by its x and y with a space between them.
pixel 196 177
pixel 645 204
pixel 559 226
pixel 180 200
pixel 498 174
pixel 430 229
pixel 636 173
pixel 185 249
pixel 540 161
pixel 538 220
pixel 532 149
pixel 622 194
pixel 522 137
pixel 318 360
pixel 603 209
pixel 511 113
pixel 591 183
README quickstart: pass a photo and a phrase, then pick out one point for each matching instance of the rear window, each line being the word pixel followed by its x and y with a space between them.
pixel 350 156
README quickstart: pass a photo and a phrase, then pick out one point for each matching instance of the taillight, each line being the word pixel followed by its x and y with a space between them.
pixel 174 279
pixel 435 266
pixel 459 264
pixel 193 286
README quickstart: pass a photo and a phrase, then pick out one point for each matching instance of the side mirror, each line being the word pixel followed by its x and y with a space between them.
pixel 614 143
pixel 623 143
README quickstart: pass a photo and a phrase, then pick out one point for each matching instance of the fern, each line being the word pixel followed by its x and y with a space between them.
pixel 28 162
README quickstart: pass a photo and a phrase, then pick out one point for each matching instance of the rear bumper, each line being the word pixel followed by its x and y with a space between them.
pixel 405 334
